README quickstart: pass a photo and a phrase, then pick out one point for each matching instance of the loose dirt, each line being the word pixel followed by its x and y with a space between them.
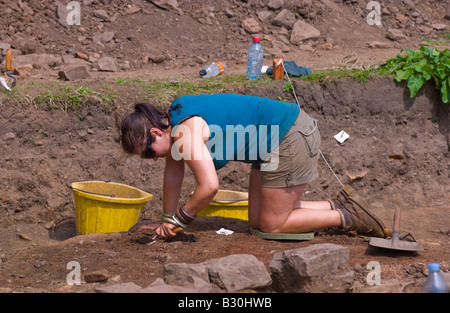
pixel 397 153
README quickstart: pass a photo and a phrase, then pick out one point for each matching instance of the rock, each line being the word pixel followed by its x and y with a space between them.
pixel 37 60
pixel 25 237
pixel 238 272
pixel 24 69
pixel 378 45
pixel 82 56
pixel 184 273
pixel 8 136
pixel 103 37
pixel 61 13
pixel 396 35
pixel 107 64
pixel 285 18
pixel 409 4
pixel 251 26
pixel 119 288
pixel 232 273
pixel 356 176
pixel 132 10
pixel 159 286
pixel 97 276
pixel 157 58
pixel 425 29
pixel 4 46
pixel 302 31
pixel 322 267
pixel 263 15
pixel 439 26
pixel 275 4
pixel 102 14
pixel 229 13
pixel 74 73
pixel 171 5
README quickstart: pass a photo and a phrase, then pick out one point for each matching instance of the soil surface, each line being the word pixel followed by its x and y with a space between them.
pixel 397 154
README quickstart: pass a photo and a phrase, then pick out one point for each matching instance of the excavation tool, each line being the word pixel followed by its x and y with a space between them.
pixel 146 239
pixel 396 242
pixel 8 69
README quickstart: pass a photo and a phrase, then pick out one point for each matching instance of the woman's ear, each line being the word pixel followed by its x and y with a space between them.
pixel 156 131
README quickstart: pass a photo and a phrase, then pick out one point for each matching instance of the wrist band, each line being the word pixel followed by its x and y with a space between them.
pixel 180 218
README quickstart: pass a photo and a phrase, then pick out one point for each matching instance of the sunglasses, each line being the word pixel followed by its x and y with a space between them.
pixel 148 153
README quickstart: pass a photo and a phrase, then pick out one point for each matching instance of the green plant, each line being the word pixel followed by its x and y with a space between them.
pixel 417 67
pixel 288 87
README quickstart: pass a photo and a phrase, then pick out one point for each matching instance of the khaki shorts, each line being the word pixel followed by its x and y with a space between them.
pixel 298 154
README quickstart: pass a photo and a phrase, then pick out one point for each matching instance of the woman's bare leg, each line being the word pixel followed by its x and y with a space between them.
pixel 254 197
pixel 277 214
pixel 314 205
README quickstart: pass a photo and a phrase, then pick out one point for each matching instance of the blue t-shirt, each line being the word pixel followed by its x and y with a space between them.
pixel 242 128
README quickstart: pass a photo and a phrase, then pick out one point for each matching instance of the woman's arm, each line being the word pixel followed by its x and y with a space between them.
pixel 190 141
pixel 199 160
pixel 173 179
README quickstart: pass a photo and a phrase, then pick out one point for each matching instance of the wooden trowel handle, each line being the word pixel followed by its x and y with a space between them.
pixel 8 60
pixel 396 221
pixel 177 230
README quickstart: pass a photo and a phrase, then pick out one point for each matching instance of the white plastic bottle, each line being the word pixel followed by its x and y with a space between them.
pixel 213 69
pixel 255 59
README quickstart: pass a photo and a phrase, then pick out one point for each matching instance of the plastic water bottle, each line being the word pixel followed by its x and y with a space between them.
pixel 255 59
pixel 213 69
pixel 435 282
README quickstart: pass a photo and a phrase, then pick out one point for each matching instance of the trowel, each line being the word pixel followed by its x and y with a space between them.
pixel 396 242
pixel 8 69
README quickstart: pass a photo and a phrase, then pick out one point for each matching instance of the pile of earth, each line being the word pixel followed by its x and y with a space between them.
pixel 181 36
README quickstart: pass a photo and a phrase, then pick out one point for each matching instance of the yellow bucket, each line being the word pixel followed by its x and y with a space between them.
pixel 228 203
pixel 106 207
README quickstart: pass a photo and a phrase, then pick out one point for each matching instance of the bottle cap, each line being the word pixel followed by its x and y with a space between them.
pixel 256 38
pixel 434 267
pixel 202 72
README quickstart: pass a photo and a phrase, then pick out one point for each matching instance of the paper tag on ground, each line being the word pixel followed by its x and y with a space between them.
pixel 341 136
pixel 224 231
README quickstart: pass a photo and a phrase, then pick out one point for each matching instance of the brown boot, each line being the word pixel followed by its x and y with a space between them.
pixel 356 216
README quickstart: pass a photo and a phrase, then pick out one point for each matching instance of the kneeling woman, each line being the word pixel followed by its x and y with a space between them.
pixel 281 141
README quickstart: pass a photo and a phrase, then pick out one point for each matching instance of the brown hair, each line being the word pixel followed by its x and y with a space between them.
pixel 144 117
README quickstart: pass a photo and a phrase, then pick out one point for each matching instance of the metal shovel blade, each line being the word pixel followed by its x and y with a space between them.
pixel 394 242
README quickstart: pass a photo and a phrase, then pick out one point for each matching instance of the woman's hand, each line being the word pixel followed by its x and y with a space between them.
pixel 149 226
pixel 168 230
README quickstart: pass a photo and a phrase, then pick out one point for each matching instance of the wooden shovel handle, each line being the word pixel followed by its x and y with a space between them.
pixel 396 221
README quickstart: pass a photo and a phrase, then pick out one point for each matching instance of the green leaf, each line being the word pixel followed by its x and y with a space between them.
pixel 445 88
pixel 402 75
pixel 415 82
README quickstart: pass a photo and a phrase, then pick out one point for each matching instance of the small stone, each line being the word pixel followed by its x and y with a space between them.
pixel 74 73
pixel 25 237
pixel 97 276
pixel 132 10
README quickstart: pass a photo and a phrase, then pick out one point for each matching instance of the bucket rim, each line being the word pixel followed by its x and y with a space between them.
pixel 77 191
pixel 230 202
